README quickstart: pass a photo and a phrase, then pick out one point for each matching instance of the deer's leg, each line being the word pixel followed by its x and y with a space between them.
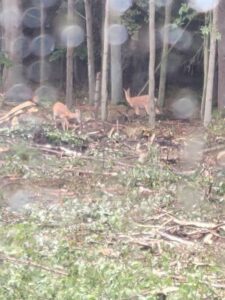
pixel 136 109
pixel 147 109
pixel 65 124
pixel 55 121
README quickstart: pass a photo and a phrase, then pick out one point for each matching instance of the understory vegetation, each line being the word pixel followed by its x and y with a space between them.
pixel 105 216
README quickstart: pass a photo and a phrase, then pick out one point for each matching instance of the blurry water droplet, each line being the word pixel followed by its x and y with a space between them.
pixel 72 36
pixel 193 150
pixel 46 93
pixel 120 5
pixel 10 17
pixel 184 108
pixel 19 93
pixel 45 3
pixel 174 63
pixel 203 5
pixel 185 41
pixel 16 72
pixel 21 46
pixel 117 34
pixel 32 17
pixel 161 3
pixel 178 37
pixel 48 45
pixel 33 71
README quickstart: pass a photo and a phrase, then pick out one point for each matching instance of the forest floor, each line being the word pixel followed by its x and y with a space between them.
pixel 113 210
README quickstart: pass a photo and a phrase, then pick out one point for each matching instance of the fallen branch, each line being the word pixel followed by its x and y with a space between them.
pixel 216 148
pixel 16 110
pixel 198 224
pixel 175 238
pixel 83 172
pixel 32 264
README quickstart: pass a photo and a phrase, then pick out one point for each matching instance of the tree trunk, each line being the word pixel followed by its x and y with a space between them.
pixel 12 30
pixel 90 48
pixel 116 74
pixel 221 56
pixel 211 70
pixel 152 63
pixel 206 65
pixel 42 59
pixel 69 60
pixel 97 93
pixel 105 64
pixel 163 69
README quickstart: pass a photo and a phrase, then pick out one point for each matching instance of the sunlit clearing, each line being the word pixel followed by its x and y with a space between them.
pixel 120 6
pixel 45 3
pixel 46 93
pixel 19 92
pixel 117 34
pixel 203 5
pixel 185 107
pixel 161 3
pixel 32 17
pixel 193 150
pixel 178 37
pixel 21 46
pixel 174 63
pixel 48 45
pixel 33 71
pixel 10 18
pixel 72 36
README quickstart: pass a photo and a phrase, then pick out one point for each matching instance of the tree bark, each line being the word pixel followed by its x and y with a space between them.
pixel 69 60
pixel 42 59
pixel 104 93
pixel 211 70
pixel 90 48
pixel 221 56
pixel 116 74
pixel 12 30
pixel 152 63
pixel 163 69
pixel 206 65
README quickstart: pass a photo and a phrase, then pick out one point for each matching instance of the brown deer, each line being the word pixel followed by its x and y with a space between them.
pixel 63 114
pixel 138 102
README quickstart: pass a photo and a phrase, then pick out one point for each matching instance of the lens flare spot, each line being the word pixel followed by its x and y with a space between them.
pixel 19 93
pixel 48 45
pixel 32 17
pixel 46 93
pixel 34 70
pixel 120 6
pixel 21 46
pixel 203 5
pixel 10 18
pixel 45 3
pixel 72 36
pixel 117 34
pixel 185 107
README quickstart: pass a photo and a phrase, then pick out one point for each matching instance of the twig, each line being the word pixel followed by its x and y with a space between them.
pixel 216 148
pixel 82 172
pixel 175 238
pixel 198 224
pixel 32 264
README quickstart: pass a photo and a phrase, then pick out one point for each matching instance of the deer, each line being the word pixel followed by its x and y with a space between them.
pixel 64 115
pixel 138 102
